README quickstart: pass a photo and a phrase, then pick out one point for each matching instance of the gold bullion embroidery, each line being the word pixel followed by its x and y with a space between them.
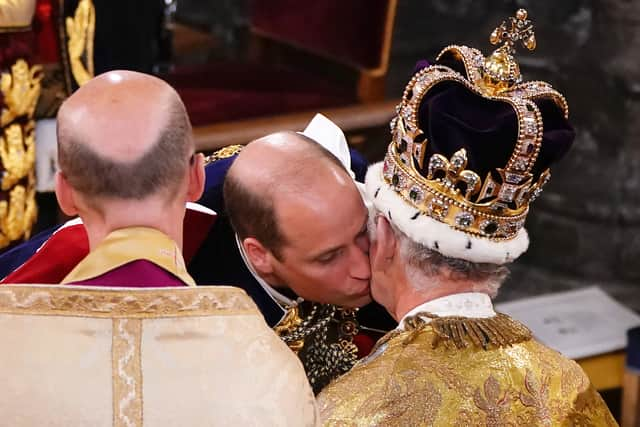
pixel 102 303
pixel 223 153
pixel 127 373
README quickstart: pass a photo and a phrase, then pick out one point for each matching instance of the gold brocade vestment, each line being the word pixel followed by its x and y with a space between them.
pixel 408 382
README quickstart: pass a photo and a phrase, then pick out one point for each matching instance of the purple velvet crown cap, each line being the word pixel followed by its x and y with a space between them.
pixel 422 63
pixel 452 117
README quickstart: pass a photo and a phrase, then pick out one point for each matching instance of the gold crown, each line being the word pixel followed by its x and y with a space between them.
pixel 493 208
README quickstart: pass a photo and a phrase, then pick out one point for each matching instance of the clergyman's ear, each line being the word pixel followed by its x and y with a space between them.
pixel 259 256
pixel 65 195
pixel 385 245
pixel 196 178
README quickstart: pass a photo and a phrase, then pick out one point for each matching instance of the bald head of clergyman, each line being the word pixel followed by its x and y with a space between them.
pixel 126 155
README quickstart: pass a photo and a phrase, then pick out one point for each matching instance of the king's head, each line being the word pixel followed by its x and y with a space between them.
pixel 471 149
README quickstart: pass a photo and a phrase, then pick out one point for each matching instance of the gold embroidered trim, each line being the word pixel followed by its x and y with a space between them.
pixel 462 332
pixel 125 303
pixel 223 153
pixel 127 373
pixel 289 325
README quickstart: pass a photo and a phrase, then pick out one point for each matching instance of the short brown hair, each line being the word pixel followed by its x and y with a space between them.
pixel 160 168
pixel 252 213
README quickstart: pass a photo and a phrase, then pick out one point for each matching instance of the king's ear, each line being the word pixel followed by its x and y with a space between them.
pixel 385 245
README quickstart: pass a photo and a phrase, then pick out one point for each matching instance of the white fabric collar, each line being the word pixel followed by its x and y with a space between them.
pixel 275 295
pixel 470 304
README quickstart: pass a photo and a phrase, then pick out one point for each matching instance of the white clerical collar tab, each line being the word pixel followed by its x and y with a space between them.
pixel 470 304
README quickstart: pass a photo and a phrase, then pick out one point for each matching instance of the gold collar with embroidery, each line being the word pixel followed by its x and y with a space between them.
pixel 458 332
pixel 130 244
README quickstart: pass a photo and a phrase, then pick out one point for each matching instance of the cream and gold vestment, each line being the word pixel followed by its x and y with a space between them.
pixel 455 362
pixel 79 356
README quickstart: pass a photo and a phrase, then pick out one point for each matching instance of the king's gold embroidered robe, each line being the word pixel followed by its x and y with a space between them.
pixel 408 382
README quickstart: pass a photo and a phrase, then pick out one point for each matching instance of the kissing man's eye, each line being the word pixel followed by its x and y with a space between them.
pixel 328 257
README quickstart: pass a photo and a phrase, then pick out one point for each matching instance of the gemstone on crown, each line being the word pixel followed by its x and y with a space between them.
pixel 494 207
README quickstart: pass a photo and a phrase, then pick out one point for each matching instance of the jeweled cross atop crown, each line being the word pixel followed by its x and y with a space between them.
pixel 494 203
pixel 518 29
pixel 500 70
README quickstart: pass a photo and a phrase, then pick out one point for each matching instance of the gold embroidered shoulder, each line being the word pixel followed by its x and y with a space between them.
pixel 463 372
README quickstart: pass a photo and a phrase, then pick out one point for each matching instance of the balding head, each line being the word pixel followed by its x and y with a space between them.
pixel 124 135
pixel 286 161
pixel 301 219
pixel 270 170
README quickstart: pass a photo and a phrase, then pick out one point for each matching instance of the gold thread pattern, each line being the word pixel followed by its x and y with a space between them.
pixel 462 332
pixel 104 303
pixel 535 395
pixel 127 372
pixel 80 33
pixel 321 335
pixel 223 153
pixel 493 401
pixel 518 384
pixel 288 325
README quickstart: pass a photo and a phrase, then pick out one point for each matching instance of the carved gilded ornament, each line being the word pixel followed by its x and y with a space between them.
pixel 17 153
pixel 17 214
pixel 20 89
pixel 80 33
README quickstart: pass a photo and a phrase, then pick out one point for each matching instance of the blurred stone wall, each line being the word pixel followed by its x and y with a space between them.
pixel 585 228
